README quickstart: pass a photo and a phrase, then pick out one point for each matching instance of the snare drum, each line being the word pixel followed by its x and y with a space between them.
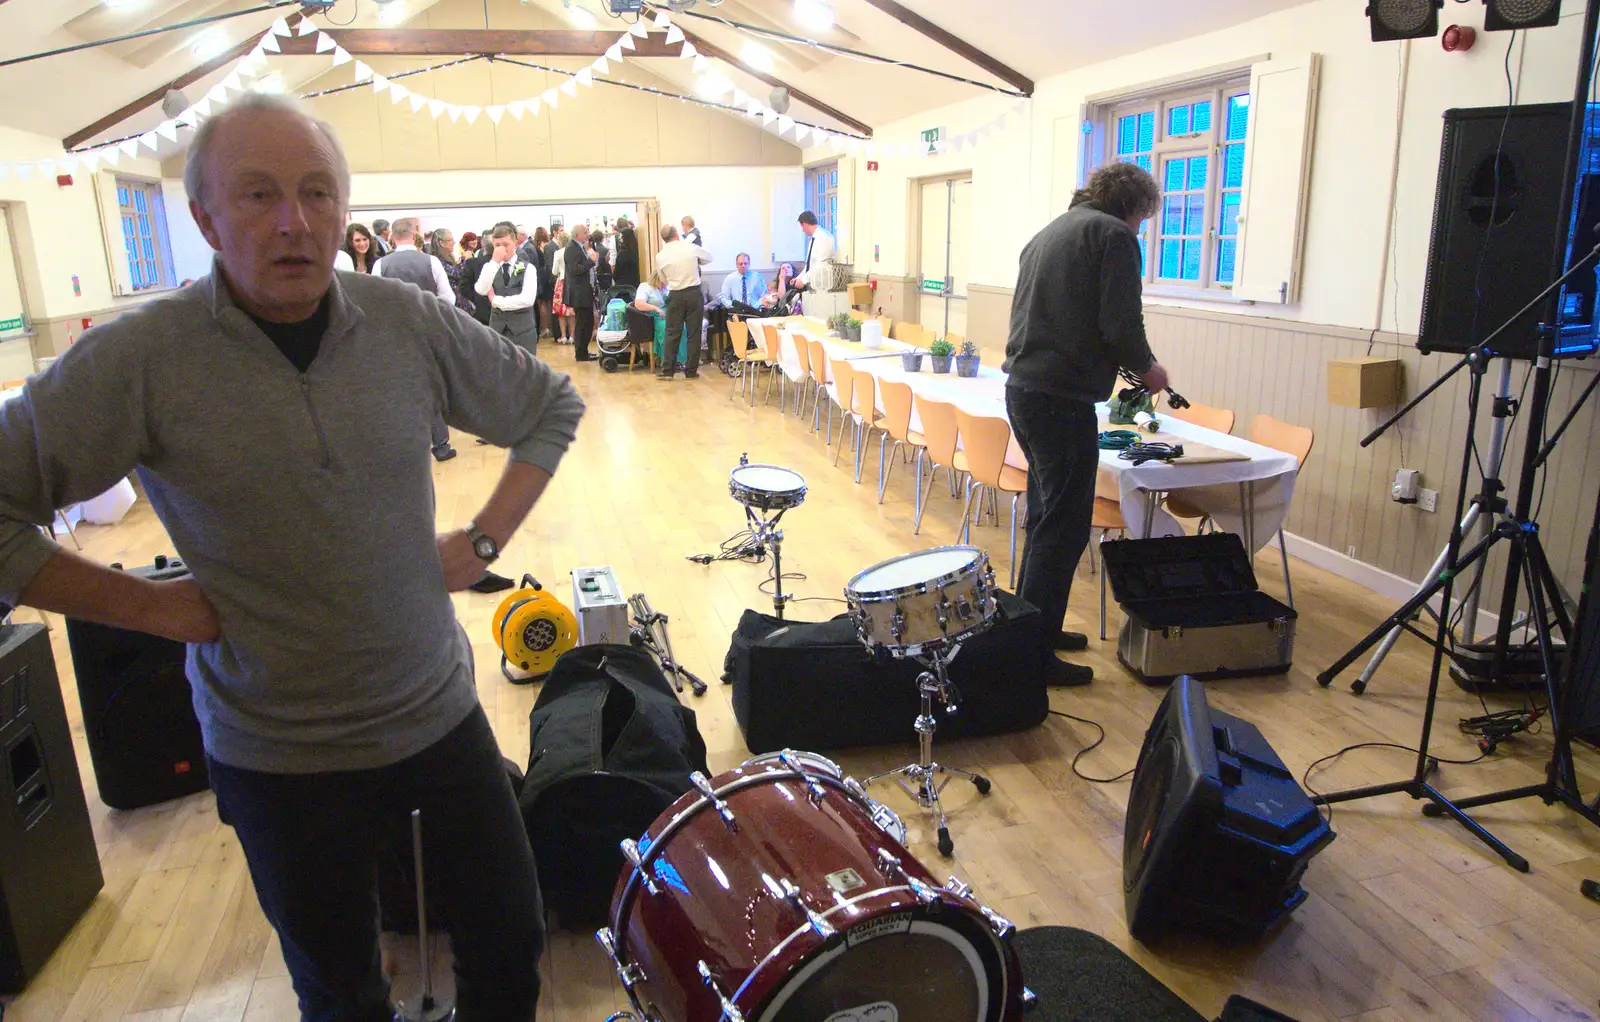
pixel 772 895
pixel 767 487
pixel 924 601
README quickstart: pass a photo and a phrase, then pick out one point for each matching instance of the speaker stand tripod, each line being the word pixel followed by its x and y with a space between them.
pixel 925 779
pixel 425 1007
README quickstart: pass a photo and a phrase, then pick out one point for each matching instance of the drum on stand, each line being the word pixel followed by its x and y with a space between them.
pixel 767 487
pixel 774 893
pixel 925 601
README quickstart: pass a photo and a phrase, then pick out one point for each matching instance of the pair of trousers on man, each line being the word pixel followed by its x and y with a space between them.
pixel 1061 439
pixel 684 307
pixel 313 843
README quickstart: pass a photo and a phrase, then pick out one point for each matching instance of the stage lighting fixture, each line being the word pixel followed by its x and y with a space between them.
pixel 1404 19
pixel 1512 15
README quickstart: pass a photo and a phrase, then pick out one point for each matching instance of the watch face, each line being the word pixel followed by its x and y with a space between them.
pixel 485 548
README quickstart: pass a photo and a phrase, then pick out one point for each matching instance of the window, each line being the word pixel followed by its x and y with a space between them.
pixel 144 234
pixel 822 195
pixel 1193 142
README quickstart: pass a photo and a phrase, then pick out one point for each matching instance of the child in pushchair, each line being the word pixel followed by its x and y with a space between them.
pixel 616 335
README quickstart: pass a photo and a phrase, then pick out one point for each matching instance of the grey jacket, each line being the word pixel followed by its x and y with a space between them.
pixel 303 502
pixel 1078 312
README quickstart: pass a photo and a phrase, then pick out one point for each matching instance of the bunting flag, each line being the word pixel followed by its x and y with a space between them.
pixel 363 72
pixel 570 87
pixel 379 83
pixel 495 113
pixel 418 102
pixel 270 44
pixel 585 78
pixel 675 35
pixel 306 27
pixel 341 56
pixel 325 43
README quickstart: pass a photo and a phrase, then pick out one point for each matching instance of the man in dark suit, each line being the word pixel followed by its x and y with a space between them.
pixel 512 287
pixel 472 269
pixel 579 291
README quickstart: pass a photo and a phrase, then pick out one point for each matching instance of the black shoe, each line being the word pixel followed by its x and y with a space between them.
pixel 481 442
pixel 1060 674
pixel 444 452
pixel 492 583
pixel 691 376
pixel 1071 642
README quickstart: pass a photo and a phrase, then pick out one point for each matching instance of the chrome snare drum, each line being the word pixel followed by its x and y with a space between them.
pixel 767 487
pixel 925 601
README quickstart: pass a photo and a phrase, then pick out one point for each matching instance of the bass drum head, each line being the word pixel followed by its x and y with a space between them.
pixel 908 570
pixel 935 970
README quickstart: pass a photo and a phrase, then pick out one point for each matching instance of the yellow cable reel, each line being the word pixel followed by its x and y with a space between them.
pixel 532 629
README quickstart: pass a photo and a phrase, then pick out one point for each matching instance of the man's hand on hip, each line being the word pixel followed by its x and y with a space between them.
pixel 180 610
pixel 462 566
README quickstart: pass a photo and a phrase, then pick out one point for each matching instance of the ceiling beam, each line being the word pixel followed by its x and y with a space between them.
pixel 716 52
pixel 435 42
pixel 955 44
pixel 154 96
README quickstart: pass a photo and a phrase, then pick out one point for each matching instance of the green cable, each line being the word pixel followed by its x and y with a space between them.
pixel 1118 439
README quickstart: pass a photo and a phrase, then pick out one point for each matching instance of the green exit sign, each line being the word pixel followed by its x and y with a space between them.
pixel 933 141
pixel 9 325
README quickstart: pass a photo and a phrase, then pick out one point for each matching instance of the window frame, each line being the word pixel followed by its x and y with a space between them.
pixel 1101 120
pixel 822 194
pixel 160 242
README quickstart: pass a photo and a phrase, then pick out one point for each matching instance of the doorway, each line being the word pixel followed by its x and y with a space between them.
pixel 946 250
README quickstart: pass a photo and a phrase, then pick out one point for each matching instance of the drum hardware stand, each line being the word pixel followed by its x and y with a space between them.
pixel 649 632
pixel 925 783
pixel 424 1007
pixel 1527 557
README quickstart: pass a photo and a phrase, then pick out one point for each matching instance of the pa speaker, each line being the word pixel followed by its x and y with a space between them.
pixel 1218 832
pixel 1515 15
pixel 138 711
pixel 49 869
pixel 1404 19
pixel 1495 232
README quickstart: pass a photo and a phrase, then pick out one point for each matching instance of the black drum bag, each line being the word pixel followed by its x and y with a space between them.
pixel 813 685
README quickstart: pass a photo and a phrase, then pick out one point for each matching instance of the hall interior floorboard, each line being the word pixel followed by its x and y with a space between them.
pixel 1408 918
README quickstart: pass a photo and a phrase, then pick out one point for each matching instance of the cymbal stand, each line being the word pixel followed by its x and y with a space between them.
pixel 425 1007
pixel 649 632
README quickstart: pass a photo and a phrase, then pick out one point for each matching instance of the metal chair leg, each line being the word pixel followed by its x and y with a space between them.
pixel 1097 553
pixel 1283 551
pixel 74 533
pixel 1014 499
pixel 922 504
pixel 966 515
pixel 840 449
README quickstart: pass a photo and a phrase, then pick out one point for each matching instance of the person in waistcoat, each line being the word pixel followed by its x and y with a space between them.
pixel 408 263
pixel 512 287
pixel 579 291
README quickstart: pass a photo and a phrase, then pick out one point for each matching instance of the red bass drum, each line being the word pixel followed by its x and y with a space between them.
pixel 779 892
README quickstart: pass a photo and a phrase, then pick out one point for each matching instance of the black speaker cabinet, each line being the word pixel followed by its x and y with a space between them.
pixel 1495 228
pixel 1218 831
pixel 49 869
pixel 138 711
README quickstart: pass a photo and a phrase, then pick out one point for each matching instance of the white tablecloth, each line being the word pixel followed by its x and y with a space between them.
pixel 1220 489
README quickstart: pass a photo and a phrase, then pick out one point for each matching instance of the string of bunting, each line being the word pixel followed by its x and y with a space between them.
pixel 250 66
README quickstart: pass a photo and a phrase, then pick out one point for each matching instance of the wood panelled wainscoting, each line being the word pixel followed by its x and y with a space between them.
pixel 1255 365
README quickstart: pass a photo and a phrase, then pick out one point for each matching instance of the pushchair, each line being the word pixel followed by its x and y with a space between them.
pixel 619 338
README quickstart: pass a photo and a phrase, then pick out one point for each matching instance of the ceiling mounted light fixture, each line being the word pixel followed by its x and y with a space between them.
pixel 816 15
pixel 392 12
pixel 582 17
pixel 208 44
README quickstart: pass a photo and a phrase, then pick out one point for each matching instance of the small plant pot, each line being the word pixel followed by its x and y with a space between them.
pixel 941 363
pixel 853 333
pixel 967 365
pixel 911 361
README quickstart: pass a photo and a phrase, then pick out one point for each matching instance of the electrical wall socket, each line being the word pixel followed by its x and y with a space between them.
pixel 1428 500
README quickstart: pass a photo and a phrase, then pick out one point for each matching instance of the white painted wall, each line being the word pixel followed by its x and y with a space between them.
pixel 1025 175
pixel 191 253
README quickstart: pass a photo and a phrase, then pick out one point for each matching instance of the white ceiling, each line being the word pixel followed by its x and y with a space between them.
pixel 1036 37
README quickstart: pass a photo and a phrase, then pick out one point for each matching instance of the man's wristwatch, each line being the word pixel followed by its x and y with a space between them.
pixel 483 544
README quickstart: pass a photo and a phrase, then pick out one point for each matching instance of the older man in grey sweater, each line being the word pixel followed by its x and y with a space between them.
pixel 278 414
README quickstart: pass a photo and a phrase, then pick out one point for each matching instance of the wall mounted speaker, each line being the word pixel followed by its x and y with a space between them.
pixel 1404 19
pixel 1512 15
pixel 779 100
pixel 1218 831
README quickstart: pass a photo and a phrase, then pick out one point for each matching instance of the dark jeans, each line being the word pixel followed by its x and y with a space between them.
pixel 440 434
pixel 313 842
pixel 583 329
pixel 1060 437
pixel 683 307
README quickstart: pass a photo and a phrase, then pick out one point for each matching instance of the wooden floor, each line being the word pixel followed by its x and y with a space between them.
pixel 1408 918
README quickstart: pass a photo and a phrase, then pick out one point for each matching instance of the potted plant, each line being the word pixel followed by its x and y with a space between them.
pixel 838 323
pixel 911 360
pixel 941 351
pixel 852 328
pixel 967 361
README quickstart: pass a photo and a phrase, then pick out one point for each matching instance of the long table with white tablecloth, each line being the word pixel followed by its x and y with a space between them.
pixel 1248 496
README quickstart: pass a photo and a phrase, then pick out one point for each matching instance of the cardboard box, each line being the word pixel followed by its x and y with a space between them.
pixel 861 295
pixel 1364 382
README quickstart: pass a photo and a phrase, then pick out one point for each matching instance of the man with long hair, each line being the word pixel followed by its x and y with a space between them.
pixel 1077 317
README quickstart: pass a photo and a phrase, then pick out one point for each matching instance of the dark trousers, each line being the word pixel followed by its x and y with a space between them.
pixel 313 842
pixel 583 329
pixel 1060 437
pixel 683 307
pixel 440 434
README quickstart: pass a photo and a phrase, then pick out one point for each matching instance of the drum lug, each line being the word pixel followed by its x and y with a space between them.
pixel 631 974
pixel 897 623
pixel 957 888
pixel 817 789
pixel 703 785
pixel 964 608
pixel 730 1011
pixel 892 869
pixel 1003 927
pixel 786 890
pixel 942 612
pixel 630 851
